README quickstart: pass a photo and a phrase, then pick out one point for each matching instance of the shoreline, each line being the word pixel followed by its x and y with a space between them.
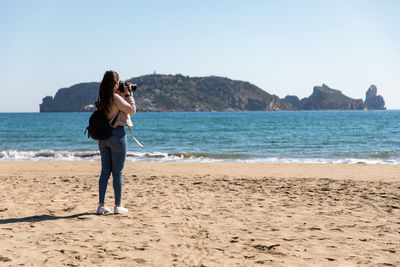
pixel 337 171
pixel 193 214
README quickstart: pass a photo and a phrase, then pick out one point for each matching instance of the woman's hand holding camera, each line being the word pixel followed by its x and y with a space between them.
pixel 124 89
pixel 128 90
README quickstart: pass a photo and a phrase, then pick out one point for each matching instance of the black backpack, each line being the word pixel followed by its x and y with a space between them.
pixel 99 128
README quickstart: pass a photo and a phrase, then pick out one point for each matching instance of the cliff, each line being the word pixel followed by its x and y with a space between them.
pixel 173 93
pixel 325 98
pixel 77 98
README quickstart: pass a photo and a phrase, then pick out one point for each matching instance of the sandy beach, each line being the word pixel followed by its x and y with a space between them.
pixel 201 214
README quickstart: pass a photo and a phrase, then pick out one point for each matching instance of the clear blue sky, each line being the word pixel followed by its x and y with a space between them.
pixel 284 47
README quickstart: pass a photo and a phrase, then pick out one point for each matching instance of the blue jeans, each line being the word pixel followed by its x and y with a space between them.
pixel 113 155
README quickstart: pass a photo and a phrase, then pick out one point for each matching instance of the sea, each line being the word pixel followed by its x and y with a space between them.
pixel 354 137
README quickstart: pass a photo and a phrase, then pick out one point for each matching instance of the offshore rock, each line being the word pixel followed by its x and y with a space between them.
pixel 372 100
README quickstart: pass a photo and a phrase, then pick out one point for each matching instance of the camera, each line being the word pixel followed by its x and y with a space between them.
pixel 121 87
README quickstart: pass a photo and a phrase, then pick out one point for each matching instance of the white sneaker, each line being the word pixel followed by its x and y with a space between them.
pixel 103 210
pixel 120 209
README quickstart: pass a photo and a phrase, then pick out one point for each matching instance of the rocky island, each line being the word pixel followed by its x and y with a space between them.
pixel 213 93
pixel 325 98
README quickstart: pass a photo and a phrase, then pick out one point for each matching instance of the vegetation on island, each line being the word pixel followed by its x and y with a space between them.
pixel 212 93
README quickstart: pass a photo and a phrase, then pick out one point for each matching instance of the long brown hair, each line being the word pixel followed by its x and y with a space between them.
pixel 106 90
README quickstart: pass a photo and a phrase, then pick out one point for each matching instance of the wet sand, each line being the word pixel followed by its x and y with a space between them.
pixel 193 214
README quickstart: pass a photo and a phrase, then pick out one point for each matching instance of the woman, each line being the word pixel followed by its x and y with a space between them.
pixel 117 105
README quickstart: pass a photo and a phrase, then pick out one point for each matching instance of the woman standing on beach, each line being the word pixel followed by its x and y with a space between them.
pixel 117 106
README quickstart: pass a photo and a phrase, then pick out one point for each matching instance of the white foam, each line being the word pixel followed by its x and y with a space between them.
pixel 48 155
pixel 52 155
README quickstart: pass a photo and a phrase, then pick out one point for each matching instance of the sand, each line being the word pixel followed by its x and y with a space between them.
pixel 201 214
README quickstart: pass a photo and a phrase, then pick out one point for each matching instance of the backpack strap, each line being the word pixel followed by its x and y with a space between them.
pixel 115 119
pixel 97 103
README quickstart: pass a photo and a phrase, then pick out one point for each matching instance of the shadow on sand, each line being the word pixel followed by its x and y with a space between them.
pixel 45 217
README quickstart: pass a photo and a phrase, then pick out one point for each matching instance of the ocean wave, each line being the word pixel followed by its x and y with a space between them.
pixel 53 155
pixel 48 155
